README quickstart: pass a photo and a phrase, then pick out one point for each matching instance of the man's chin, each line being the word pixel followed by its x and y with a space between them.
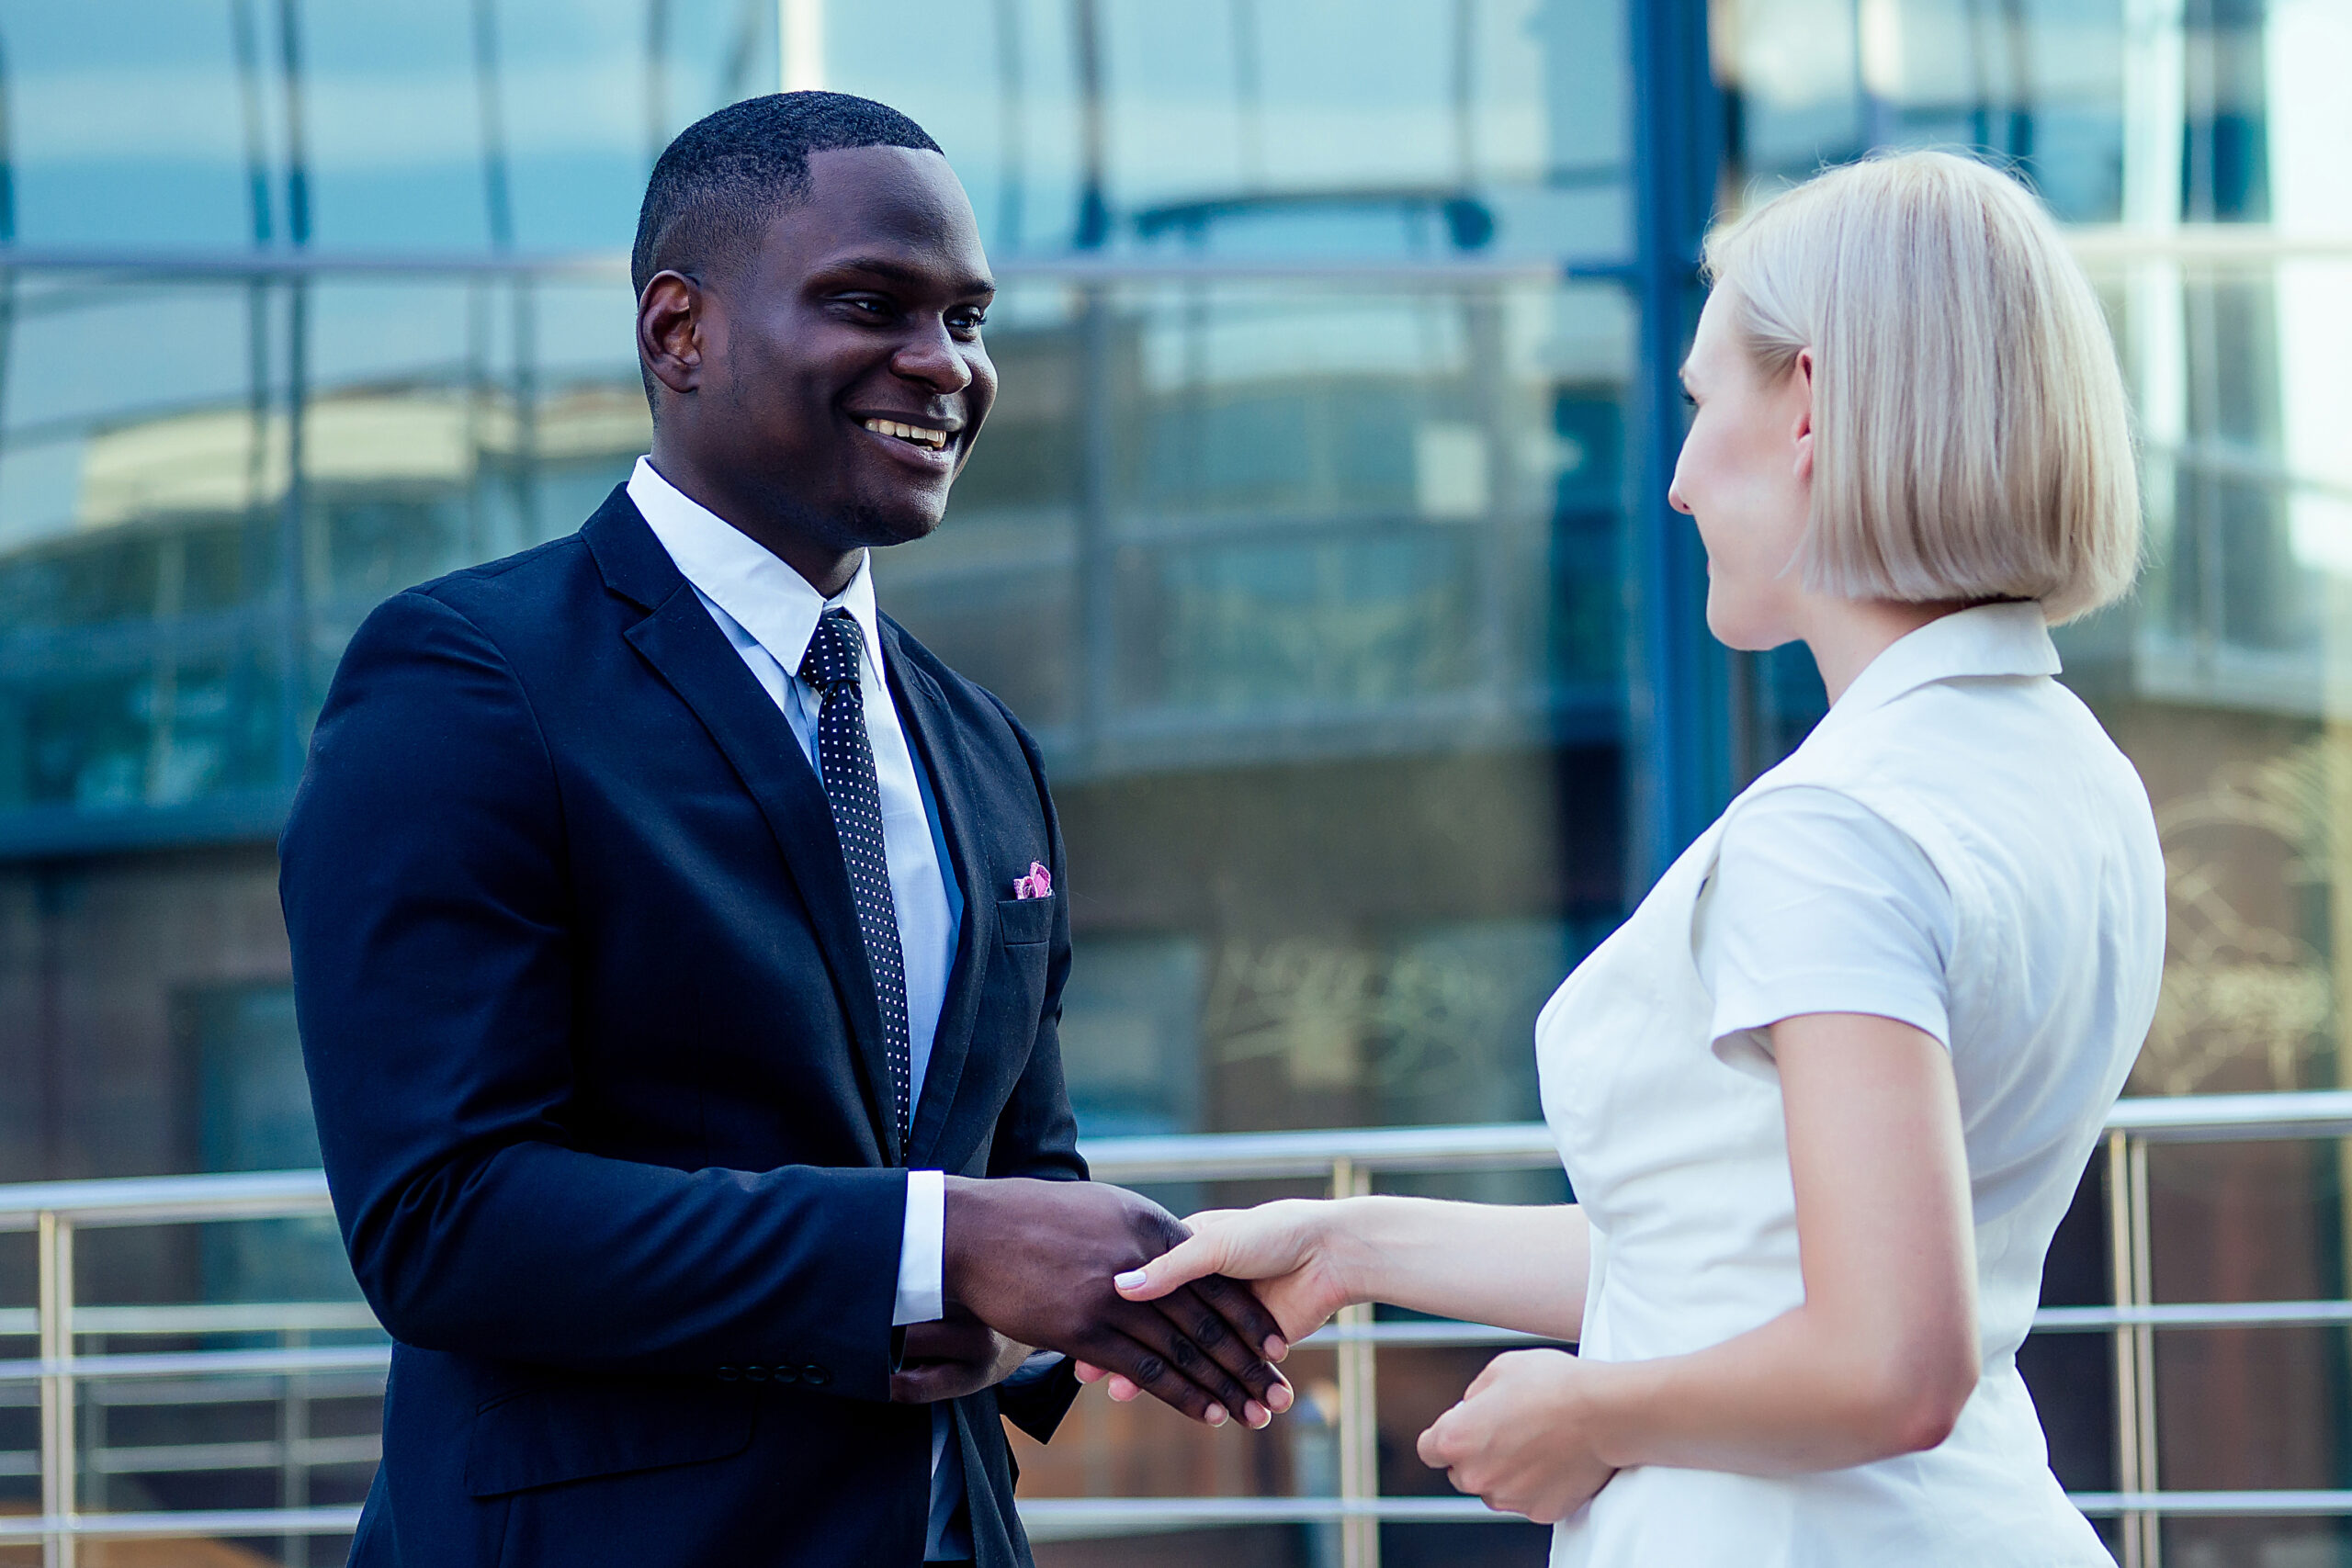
pixel 880 524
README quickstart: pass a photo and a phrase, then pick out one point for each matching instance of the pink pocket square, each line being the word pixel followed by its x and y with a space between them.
pixel 1038 884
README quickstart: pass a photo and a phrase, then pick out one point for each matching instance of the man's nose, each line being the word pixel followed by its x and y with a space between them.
pixel 931 357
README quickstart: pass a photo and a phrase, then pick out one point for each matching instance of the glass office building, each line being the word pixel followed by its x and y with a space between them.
pixel 1319 534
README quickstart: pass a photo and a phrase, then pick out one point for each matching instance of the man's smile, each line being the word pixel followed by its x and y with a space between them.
pixel 921 435
pixel 932 445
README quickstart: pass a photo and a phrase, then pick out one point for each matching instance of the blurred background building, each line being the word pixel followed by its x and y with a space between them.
pixel 1319 534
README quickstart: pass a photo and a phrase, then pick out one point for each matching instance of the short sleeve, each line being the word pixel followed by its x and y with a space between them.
pixel 1817 903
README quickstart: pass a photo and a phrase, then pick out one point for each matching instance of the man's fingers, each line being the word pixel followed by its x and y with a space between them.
pixel 1168 1331
pixel 1229 1335
pixel 1150 1371
pixel 1239 1306
pixel 924 1384
pixel 1180 1265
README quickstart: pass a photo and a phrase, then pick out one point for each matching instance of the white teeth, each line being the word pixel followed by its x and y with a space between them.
pixel 934 440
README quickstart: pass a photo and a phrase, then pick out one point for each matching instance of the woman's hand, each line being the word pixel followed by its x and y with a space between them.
pixel 1518 1438
pixel 1286 1249
pixel 954 1356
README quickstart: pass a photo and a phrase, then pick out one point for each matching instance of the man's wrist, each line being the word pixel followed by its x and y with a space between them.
pixel 963 1207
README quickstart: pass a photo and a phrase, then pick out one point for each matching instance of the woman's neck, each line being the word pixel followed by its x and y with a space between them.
pixel 1844 634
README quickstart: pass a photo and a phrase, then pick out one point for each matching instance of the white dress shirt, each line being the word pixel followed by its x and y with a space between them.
pixel 769 611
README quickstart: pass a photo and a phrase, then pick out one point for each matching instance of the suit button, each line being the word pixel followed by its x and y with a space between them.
pixel 787 1373
pixel 728 1375
pixel 757 1374
pixel 815 1376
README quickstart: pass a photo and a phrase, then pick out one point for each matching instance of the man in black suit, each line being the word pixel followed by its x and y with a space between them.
pixel 679 947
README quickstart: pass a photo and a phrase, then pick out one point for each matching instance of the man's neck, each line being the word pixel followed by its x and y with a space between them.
pixel 829 569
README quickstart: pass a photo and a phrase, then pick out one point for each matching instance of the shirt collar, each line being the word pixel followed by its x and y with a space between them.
pixel 768 599
pixel 1989 640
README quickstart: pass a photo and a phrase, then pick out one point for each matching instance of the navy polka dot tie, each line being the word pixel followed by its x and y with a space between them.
pixel 845 762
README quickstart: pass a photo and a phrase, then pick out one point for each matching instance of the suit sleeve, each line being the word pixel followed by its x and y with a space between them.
pixel 1036 1134
pixel 424 876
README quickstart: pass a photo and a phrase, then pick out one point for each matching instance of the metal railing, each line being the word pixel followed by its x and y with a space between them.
pixel 69 1377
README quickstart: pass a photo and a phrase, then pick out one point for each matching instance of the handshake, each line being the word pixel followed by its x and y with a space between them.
pixel 1060 1266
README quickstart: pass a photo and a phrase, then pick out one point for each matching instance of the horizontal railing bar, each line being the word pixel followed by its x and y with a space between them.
pixel 2212 1505
pixel 1059 1514
pixel 312 1453
pixel 1394 1336
pixel 239 1317
pixel 244 1388
pixel 312 1358
pixel 193 1523
pixel 151 1199
pixel 2192 1315
pixel 204 1317
pixel 2227 1117
pixel 1203 1156
pixel 1242 1156
pixel 162 1459
pixel 1048 1517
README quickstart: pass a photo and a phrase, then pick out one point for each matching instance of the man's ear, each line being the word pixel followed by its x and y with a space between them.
pixel 1802 372
pixel 670 329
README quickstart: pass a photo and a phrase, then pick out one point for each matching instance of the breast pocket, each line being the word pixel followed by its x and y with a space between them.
pixel 1022 921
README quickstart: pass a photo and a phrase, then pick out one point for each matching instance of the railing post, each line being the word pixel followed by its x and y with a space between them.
pixel 294 1439
pixel 2135 1347
pixel 58 1493
pixel 1359 1406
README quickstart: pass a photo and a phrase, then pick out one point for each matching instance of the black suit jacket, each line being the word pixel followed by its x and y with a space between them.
pixel 600 1080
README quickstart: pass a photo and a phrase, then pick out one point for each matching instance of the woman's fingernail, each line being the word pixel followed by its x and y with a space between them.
pixel 1256 1415
pixel 1133 1280
pixel 1275 1348
pixel 1217 1416
pixel 1279 1397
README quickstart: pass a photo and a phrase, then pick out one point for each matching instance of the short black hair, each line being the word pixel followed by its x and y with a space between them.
pixel 715 187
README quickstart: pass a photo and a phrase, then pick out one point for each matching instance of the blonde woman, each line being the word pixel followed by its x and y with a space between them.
pixel 1824 1097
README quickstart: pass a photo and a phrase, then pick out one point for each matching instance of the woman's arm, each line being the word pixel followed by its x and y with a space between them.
pixel 1512 1268
pixel 1509 1267
pixel 1879 1359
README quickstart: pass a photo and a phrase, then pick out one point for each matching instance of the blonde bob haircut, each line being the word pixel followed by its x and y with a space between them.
pixel 1971 436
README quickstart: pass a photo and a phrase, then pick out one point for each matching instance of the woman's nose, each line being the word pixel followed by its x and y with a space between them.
pixel 1674 498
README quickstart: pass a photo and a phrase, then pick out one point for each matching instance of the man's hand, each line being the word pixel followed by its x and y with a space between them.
pixel 954 1356
pixel 1287 1251
pixel 1034 1260
pixel 1521 1440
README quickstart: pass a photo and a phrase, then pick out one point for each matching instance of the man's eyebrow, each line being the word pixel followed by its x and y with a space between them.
pixel 915 276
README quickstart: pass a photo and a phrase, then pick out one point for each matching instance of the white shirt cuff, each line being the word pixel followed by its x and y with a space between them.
pixel 922 1248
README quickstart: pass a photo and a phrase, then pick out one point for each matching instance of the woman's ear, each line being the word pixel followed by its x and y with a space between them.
pixel 1800 377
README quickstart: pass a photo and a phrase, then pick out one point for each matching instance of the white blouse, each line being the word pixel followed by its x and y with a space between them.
pixel 1957 845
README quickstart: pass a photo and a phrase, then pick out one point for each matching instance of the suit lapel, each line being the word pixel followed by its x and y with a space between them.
pixel 931 728
pixel 681 641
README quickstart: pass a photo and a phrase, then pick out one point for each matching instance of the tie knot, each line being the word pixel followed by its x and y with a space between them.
pixel 832 650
